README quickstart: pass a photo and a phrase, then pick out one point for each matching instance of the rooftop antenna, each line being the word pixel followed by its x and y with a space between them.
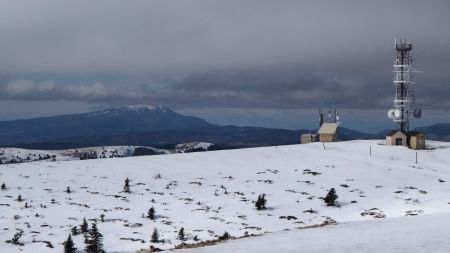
pixel 338 118
pixel 335 115
pixel 320 117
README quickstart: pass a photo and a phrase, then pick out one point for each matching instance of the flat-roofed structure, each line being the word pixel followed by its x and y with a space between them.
pixel 309 138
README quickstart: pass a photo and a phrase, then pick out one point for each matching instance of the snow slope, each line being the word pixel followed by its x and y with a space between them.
pixel 192 147
pixel 20 155
pixel 208 193
pixel 422 234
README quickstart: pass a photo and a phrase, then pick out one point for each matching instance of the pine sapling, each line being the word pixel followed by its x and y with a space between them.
pixel 181 234
pixel 155 236
pixel 94 240
pixel 260 203
pixel 84 226
pixel 69 246
pixel 74 231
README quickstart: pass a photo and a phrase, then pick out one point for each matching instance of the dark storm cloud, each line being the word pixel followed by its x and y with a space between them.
pixel 255 54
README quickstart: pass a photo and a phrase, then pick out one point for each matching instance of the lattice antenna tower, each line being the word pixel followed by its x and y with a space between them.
pixel 404 93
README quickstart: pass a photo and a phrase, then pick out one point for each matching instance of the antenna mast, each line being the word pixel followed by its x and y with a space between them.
pixel 403 78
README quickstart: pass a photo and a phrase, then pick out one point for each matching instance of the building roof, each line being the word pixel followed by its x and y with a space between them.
pixel 414 133
pixel 392 132
pixel 409 134
pixel 328 128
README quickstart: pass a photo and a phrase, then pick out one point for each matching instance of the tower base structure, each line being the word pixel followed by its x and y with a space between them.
pixel 411 139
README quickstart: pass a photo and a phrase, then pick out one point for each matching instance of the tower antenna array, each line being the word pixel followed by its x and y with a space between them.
pixel 403 79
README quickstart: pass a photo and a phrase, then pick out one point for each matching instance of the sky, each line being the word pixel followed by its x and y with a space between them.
pixel 260 63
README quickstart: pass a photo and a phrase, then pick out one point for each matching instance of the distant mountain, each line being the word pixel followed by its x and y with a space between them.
pixel 155 126
pixel 107 122
pixel 439 131
pixel 346 134
pixel 224 137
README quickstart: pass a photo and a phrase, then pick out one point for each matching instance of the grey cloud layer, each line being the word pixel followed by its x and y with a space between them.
pixel 279 54
pixel 268 89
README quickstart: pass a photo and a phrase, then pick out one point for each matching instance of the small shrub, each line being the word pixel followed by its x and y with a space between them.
pixel 74 231
pixel 151 213
pixel 331 197
pixel 16 239
pixel 126 187
pixel 225 236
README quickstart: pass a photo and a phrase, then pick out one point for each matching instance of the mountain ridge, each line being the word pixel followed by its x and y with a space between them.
pixel 153 125
pixel 103 122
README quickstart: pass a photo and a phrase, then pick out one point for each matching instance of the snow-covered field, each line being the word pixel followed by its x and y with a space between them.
pixel 421 234
pixel 208 193
pixel 192 147
pixel 20 155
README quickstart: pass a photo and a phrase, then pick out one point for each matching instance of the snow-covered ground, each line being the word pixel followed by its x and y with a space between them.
pixel 421 234
pixel 20 155
pixel 208 193
pixel 192 147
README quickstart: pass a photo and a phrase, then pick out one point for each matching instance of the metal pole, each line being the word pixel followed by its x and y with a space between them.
pixel 416 157
pixel 323 143
pixel 370 150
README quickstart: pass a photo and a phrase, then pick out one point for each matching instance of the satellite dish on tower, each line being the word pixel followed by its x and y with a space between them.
pixel 397 113
pixel 391 114
pixel 417 113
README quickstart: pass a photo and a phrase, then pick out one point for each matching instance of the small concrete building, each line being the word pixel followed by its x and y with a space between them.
pixel 309 138
pixel 416 140
pixel 328 132
pixel 396 138
pixel 413 140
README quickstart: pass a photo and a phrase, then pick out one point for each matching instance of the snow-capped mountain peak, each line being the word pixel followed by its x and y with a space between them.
pixel 137 108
